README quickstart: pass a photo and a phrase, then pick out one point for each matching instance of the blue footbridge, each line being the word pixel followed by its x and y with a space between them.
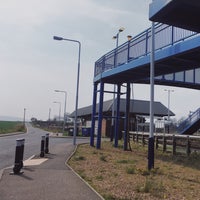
pixel 177 63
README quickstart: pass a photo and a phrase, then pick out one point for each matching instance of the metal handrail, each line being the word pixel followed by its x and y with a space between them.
pixel 140 45
pixel 189 121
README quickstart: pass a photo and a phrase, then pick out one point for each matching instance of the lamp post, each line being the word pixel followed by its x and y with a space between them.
pixel 24 117
pixel 49 121
pixel 168 113
pixel 77 84
pixel 64 106
pixel 129 37
pixel 59 107
pixel 115 37
pixel 49 114
pixel 152 73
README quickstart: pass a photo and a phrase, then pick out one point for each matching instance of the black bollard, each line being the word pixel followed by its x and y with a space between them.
pixel 42 146
pixel 19 155
pixel 47 143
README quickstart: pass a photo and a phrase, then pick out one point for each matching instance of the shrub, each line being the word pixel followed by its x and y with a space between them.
pixel 77 158
pixel 151 186
pixel 99 178
pixel 130 170
pixel 103 158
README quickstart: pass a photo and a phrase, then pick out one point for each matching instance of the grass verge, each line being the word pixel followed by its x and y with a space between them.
pixel 11 126
pixel 123 175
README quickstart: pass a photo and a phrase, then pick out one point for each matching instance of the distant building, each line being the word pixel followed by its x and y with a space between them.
pixel 139 110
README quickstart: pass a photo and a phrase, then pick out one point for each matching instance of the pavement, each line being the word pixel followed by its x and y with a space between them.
pixel 47 178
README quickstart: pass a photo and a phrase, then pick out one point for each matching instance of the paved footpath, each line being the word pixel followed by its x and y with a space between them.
pixel 46 179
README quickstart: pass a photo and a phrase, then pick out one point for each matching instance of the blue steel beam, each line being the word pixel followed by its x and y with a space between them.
pixel 187 79
pixel 116 132
pixel 126 125
pixel 100 115
pixel 93 115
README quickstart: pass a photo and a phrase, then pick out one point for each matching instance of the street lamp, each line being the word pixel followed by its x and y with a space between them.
pixel 49 114
pixel 168 117
pixel 152 74
pixel 77 84
pixel 59 107
pixel 116 37
pixel 64 106
pixel 24 116
pixel 49 121
pixel 129 37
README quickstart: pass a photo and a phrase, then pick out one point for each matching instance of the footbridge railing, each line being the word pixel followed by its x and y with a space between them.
pixel 192 119
pixel 140 45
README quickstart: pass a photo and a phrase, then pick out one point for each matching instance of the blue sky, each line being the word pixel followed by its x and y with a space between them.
pixel 33 65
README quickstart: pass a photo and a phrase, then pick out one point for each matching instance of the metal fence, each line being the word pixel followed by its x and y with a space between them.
pixel 140 45
pixel 189 121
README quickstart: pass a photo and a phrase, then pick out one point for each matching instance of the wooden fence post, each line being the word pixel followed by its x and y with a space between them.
pixel 174 145
pixel 164 143
pixel 137 138
pixel 133 137
pixel 143 139
pixel 156 142
pixel 188 150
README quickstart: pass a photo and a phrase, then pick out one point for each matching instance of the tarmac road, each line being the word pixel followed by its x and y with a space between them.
pixel 32 145
pixel 50 180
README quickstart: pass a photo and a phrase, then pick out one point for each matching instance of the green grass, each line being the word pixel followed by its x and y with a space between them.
pixel 11 126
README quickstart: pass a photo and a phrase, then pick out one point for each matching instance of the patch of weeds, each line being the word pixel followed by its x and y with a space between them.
pixel 195 155
pixel 65 134
pixel 103 158
pixel 109 197
pixel 99 178
pixel 144 172
pixel 102 170
pixel 120 146
pixel 81 173
pixel 147 187
pixel 157 171
pixel 158 189
pixel 126 161
pixel 153 187
pixel 122 161
pixel 115 174
pixel 130 170
pixel 78 158
pixel 94 152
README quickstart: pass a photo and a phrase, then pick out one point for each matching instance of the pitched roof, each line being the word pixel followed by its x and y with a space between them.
pixel 138 107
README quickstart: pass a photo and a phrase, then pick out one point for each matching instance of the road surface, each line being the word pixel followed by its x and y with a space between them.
pixel 32 145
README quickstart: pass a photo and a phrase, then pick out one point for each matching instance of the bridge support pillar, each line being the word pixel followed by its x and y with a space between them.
pixel 100 115
pixel 92 131
pixel 126 132
pixel 152 74
pixel 117 116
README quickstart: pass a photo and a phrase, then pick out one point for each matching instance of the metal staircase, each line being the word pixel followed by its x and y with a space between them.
pixel 191 124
